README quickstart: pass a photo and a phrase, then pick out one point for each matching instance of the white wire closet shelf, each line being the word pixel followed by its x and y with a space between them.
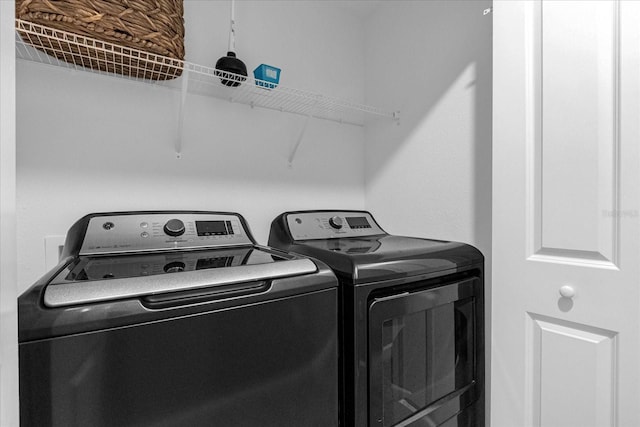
pixel 64 49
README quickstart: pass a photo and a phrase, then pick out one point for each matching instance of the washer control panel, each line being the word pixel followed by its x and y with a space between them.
pixel 330 225
pixel 160 231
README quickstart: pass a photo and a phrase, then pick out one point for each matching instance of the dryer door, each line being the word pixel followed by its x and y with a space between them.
pixel 425 354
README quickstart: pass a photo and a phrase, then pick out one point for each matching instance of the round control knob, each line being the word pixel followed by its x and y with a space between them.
pixel 335 222
pixel 567 291
pixel 174 227
pixel 174 267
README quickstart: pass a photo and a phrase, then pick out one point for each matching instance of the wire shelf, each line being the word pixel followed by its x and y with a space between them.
pixel 46 45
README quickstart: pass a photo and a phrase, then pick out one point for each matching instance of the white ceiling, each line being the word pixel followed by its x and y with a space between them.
pixel 362 8
pixel 359 8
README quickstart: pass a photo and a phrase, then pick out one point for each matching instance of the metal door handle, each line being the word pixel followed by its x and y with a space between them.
pixel 174 299
pixel 391 297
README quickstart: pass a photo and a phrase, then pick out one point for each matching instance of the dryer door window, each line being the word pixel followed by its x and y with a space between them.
pixel 422 354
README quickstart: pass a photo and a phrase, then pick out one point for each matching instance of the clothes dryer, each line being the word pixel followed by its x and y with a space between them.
pixel 412 319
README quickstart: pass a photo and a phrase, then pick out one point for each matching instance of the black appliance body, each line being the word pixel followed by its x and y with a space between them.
pixel 412 319
pixel 178 318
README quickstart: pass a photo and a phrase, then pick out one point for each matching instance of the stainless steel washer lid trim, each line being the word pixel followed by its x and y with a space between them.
pixel 105 290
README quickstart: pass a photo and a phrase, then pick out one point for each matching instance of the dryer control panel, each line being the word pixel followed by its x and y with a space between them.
pixel 331 224
pixel 119 233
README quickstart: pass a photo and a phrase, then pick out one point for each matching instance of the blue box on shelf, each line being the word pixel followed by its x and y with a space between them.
pixel 267 76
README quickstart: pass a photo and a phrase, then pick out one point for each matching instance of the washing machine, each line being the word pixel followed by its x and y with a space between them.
pixel 178 318
pixel 411 316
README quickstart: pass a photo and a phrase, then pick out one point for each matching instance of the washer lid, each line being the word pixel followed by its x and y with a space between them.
pixel 101 278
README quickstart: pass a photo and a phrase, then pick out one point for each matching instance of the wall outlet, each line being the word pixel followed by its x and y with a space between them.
pixel 52 250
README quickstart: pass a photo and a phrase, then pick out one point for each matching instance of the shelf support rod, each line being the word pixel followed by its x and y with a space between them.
pixel 294 149
pixel 183 100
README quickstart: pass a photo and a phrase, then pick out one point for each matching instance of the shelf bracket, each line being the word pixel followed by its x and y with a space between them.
pixel 183 100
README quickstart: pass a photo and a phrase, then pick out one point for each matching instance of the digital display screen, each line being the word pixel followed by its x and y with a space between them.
pixel 214 262
pixel 358 222
pixel 213 228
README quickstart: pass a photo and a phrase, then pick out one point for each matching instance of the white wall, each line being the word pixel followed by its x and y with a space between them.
pixel 8 275
pixel 431 175
pixel 91 143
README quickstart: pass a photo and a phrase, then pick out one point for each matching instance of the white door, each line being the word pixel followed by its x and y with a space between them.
pixel 566 214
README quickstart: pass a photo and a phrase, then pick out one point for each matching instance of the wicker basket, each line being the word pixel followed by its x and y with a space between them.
pixel 149 32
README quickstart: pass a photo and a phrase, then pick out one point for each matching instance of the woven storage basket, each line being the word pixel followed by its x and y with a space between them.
pixel 146 37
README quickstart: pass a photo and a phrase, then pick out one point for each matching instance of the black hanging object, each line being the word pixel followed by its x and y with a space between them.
pixel 231 64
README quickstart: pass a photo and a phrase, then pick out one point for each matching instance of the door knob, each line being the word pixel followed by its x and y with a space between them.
pixel 567 291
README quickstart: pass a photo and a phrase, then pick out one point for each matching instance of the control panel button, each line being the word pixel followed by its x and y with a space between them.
pixel 155 231
pixel 174 227
pixel 335 222
pixel 331 224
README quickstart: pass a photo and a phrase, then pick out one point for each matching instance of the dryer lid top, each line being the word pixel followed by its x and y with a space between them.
pixel 373 258
pixel 359 250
